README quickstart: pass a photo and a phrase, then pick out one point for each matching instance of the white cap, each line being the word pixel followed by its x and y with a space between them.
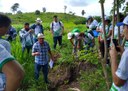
pixel 76 34
pixel 40 35
pixel 38 20
pixel 125 21
pixel 69 35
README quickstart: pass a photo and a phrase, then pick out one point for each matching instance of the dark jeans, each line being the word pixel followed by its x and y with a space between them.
pixel 28 48
pixel 44 69
pixel 55 39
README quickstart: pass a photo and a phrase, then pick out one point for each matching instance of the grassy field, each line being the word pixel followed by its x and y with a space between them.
pixel 89 80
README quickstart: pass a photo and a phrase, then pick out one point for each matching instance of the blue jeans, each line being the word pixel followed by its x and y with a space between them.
pixel 55 39
pixel 44 69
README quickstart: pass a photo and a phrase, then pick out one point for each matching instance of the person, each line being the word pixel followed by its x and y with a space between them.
pixel 26 38
pixel 38 28
pixel 57 29
pixel 116 38
pixel 91 24
pixel 108 29
pixel 12 70
pixel 88 40
pixel 11 34
pixel 40 50
pixel 73 36
pixel 120 71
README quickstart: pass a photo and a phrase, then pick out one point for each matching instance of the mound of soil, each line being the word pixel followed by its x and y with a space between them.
pixel 64 77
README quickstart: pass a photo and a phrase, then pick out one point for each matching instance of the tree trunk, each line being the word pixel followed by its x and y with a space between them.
pixel 113 20
pixel 103 61
pixel 118 20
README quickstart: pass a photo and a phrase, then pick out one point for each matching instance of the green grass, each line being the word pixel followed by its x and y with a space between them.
pixel 88 80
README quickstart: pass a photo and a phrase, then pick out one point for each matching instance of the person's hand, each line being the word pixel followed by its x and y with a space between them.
pixel 31 31
pixel 78 47
pixel 37 53
pixel 113 52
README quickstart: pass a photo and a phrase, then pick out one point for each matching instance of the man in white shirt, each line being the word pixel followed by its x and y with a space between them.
pixel 57 29
pixel 120 72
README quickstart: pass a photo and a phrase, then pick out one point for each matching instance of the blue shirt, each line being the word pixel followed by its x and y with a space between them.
pixel 43 57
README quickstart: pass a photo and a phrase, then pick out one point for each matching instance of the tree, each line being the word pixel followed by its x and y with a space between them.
pixel 44 9
pixel 83 12
pixel 19 12
pixel 65 7
pixel 103 61
pixel 15 7
pixel 37 12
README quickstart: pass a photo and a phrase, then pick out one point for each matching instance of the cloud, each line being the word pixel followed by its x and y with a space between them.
pixel 79 3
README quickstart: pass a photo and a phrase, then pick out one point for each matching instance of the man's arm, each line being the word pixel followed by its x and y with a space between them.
pixel 34 52
pixel 114 65
pixel 14 75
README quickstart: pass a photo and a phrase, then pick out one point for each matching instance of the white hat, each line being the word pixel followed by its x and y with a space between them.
pixel 40 35
pixel 38 20
pixel 125 21
pixel 69 35
pixel 76 34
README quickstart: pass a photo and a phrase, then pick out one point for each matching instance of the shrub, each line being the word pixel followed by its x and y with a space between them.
pixel 80 21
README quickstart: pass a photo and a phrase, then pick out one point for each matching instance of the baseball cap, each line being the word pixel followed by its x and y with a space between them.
pixel 89 17
pixel 40 35
pixel 76 34
pixel 69 35
pixel 125 22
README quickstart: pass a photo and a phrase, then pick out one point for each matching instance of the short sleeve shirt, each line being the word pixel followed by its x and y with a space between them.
pixel 43 58
pixel 5 55
pixel 122 71
pixel 56 27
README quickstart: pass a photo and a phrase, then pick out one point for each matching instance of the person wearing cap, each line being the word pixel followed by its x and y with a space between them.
pixel 73 36
pixel 108 30
pixel 120 69
pixel 57 29
pixel 88 40
pixel 26 38
pixel 41 51
pixel 116 38
pixel 12 70
pixel 91 24
pixel 38 28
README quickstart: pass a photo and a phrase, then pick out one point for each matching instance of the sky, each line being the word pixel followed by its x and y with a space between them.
pixel 91 7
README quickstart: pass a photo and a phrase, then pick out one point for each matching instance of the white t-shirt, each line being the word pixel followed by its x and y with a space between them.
pixel 37 30
pixel 5 57
pixel 122 71
pixel 116 31
pixel 56 27
pixel 93 24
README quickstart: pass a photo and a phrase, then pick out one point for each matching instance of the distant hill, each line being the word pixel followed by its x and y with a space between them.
pixel 46 17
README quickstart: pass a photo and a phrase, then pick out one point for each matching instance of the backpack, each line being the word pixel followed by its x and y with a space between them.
pixel 53 24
